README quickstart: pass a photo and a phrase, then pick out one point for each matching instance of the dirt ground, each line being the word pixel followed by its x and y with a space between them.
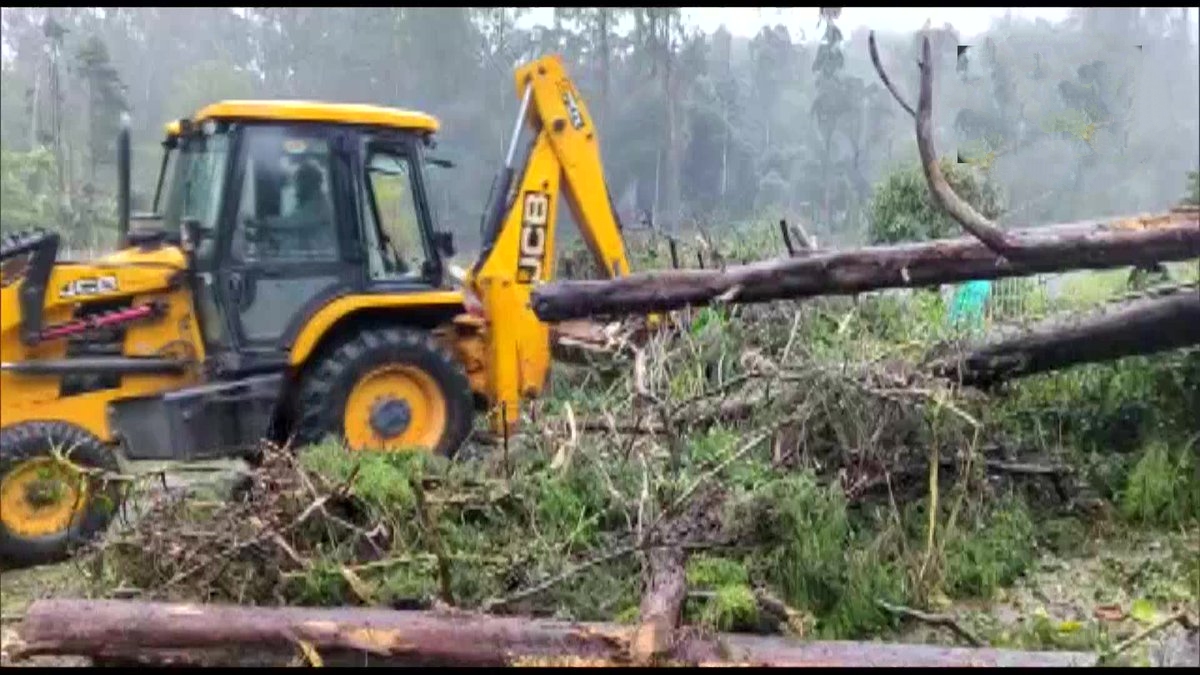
pixel 1111 589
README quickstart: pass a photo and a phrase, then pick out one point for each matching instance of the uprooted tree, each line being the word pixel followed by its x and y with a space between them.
pixel 989 253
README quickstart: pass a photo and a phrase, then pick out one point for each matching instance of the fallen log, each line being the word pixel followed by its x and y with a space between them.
pixel 1145 326
pixel 117 631
pixel 1097 245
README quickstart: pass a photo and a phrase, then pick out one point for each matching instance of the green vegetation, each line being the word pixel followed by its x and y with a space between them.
pixel 902 209
pixel 865 491
pixel 1164 486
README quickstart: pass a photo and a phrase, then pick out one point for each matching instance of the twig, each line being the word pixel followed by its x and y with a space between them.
pixel 787 348
pixel 430 526
pixel 1181 617
pixel 491 604
pixel 747 447
pixel 570 572
pixel 291 552
pixel 942 620
pixel 262 536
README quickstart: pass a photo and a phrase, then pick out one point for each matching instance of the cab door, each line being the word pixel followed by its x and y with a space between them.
pixel 290 238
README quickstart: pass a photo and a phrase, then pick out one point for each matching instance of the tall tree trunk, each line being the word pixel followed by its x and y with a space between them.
pixel 35 140
pixel 655 211
pixel 605 64
pixel 725 153
pixel 674 151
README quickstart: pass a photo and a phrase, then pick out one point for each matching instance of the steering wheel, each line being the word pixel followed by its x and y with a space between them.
pixel 259 235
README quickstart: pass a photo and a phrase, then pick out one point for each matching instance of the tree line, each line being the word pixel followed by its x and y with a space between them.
pixel 1096 115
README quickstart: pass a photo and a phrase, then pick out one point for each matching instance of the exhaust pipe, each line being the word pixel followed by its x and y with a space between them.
pixel 123 181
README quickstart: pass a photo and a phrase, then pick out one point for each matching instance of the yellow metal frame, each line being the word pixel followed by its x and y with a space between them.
pixel 143 275
pixel 321 322
pixel 565 161
pixel 311 111
pixel 506 351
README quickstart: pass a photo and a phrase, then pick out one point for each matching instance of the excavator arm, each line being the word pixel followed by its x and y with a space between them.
pixel 563 158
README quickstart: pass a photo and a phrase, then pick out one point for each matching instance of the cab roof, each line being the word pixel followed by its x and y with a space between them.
pixel 311 111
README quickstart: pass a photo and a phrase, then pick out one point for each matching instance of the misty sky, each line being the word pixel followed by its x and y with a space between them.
pixel 746 21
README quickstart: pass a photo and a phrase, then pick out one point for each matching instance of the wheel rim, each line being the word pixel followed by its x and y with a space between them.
pixel 41 497
pixel 394 408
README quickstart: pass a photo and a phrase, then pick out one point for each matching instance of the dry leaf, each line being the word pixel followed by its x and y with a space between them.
pixel 1108 612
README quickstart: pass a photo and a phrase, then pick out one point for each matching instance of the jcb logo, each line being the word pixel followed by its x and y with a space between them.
pixel 85 287
pixel 573 109
pixel 534 214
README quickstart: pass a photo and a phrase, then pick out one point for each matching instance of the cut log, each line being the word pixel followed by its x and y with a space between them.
pixel 1097 245
pixel 1142 327
pixel 155 633
pixel 662 603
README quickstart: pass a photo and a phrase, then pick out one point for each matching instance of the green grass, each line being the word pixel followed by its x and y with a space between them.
pixel 1163 489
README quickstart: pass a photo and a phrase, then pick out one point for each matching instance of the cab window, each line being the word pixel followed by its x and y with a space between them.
pixel 285 208
pixel 200 176
pixel 395 245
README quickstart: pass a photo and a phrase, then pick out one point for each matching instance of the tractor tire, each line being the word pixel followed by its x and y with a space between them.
pixel 33 533
pixel 389 389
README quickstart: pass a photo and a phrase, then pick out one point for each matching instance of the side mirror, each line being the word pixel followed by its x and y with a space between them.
pixel 444 242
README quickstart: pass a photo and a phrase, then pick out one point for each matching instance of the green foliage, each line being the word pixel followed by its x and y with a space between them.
pixel 903 209
pixel 1109 409
pixel 382 479
pixel 733 606
pixel 27 190
pixel 705 571
pixel 819 564
pixel 106 100
pixel 1164 486
pixel 992 554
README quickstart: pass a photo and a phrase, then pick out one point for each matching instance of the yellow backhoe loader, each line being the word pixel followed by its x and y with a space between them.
pixel 290 284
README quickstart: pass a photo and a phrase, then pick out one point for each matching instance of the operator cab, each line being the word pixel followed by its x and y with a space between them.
pixel 285 206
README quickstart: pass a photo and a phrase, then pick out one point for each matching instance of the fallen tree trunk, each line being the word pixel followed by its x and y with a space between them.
pixel 1096 245
pixel 662 603
pixel 158 633
pixel 1142 327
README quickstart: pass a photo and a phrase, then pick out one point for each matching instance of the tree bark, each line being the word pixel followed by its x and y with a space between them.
pixel 118 631
pixel 1143 327
pixel 662 603
pixel 1094 245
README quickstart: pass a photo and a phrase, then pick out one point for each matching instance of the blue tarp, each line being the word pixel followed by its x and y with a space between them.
pixel 969 303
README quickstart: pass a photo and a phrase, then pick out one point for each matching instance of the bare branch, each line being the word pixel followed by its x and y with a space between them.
pixel 883 76
pixel 972 221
